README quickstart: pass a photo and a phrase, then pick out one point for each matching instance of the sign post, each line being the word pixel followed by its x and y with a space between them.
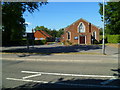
pixel 103 42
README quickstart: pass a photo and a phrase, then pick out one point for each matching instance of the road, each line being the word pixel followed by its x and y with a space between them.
pixel 81 70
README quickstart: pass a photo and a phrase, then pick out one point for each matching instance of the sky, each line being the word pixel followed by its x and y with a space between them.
pixel 57 15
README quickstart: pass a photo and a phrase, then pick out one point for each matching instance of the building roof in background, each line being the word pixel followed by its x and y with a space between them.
pixel 44 33
pixel 79 20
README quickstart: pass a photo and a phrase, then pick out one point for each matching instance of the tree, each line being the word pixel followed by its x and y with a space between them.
pixel 60 32
pixel 41 28
pixel 112 17
pixel 13 22
pixel 54 33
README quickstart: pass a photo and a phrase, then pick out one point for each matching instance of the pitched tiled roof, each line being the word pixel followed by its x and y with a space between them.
pixel 81 19
pixel 44 33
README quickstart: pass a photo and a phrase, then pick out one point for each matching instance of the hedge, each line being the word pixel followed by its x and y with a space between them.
pixel 101 37
pixel 40 42
pixel 24 42
pixel 113 38
pixel 37 42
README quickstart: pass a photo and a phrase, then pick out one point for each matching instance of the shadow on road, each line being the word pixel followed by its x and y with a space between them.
pixel 117 72
pixel 52 50
pixel 72 83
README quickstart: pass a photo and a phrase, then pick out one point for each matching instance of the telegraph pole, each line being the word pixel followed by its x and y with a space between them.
pixel 103 42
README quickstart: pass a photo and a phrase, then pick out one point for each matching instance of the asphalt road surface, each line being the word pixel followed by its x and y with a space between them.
pixel 81 71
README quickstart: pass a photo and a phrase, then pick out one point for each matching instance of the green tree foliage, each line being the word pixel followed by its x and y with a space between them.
pixel 13 22
pixel 42 28
pixel 60 32
pixel 54 33
pixel 101 31
pixel 113 38
pixel 112 17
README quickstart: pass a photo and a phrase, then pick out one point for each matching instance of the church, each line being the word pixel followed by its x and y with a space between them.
pixel 81 32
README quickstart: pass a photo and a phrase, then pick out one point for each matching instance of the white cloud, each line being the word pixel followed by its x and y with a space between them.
pixel 28 23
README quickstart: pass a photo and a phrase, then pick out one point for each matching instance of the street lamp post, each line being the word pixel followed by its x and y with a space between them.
pixel 103 42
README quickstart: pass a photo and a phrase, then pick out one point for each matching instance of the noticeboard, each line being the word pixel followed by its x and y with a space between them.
pixel 30 36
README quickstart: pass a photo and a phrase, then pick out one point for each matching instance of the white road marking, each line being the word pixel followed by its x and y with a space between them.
pixel 31 76
pixel 83 85
pixel 26 80
pixel 108 81
pixel 61 74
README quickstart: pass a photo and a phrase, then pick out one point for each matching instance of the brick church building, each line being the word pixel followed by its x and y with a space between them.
pixel 81 32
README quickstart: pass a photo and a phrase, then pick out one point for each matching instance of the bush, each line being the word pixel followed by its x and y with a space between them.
pixel 67 42
pixel 40 42
pixel 95 41
pixel 101 39
pixel 35 42
pixel 113 38
pixel 14 43
pixel 24 42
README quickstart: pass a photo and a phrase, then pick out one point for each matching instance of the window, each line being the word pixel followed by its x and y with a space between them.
pixel 81 28
pixel 68 35
pixel 42 38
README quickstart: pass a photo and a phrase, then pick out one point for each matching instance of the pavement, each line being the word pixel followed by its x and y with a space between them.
pixel 58 49
pixel 52 52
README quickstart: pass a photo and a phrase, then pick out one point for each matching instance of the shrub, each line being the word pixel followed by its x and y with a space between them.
pixel 95 41
pixel 40 42
pixel 113 38
pixel 67 42
pixel 70 43
pixel 101 38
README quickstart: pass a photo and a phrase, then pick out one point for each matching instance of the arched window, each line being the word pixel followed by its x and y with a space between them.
pixel 81 28
pixel 68 35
